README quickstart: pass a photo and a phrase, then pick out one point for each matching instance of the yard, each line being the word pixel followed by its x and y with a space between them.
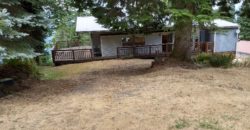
pixel 128 94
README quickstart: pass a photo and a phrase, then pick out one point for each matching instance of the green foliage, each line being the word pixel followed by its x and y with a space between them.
pixel 221 60
pixel 226 8
pixel 45 60
pixel 66 36
pixel 215 60
pixel 203 58
pixel 65 24
pixel 23 23
pixel 134 16
pixel 210 124
pixel 244 20
pixel 181 124
pixel 49 73
pixel 19 68
pixel 245 28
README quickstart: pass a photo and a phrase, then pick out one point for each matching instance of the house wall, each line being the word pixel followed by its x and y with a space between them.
pixel 109 45
pixel 153 39
pixel 225 40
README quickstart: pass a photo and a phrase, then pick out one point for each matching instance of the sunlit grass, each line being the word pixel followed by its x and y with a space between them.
pixel 51 73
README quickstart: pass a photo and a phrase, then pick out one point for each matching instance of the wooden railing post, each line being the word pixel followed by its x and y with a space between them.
pixel 92 54
pixel 150 50
pixel 118 53
pixel 73 53
pixel 134 53
pixel 206 47
pixel 53 56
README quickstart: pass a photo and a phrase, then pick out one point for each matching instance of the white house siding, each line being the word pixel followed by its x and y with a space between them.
pixel 154 39
pixel 225 40
pixel 109 45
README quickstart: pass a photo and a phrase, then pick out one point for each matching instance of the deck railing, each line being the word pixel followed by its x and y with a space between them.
pixel 207 47
pixel 141 51
pixel 75 55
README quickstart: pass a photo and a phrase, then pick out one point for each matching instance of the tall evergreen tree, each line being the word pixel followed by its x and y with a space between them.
pixel 226 9
pixel 23 26
pixel 244 20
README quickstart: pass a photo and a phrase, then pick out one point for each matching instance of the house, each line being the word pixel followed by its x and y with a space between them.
pixel 223 39
pixel 106 43
pixel 109 44
pixel 243 49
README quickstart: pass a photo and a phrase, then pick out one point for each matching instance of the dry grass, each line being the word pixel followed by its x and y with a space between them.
pixel 128 94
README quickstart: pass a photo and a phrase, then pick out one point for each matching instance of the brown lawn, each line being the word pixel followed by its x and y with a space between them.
pixel 129 95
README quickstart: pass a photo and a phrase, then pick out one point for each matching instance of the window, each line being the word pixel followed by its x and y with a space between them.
pixel 133 41
pixel 139 40
pixel 127 41
pixel 167 38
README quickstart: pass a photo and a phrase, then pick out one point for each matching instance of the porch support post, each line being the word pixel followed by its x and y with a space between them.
pixel 73 53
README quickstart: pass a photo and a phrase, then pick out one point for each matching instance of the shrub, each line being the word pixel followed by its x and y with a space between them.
pixel 45 60
pixel 215 60
pixel 221 60
pixel 19 68
pixel 203 58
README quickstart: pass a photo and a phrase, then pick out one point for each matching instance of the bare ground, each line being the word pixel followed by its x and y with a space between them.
pixel 129 95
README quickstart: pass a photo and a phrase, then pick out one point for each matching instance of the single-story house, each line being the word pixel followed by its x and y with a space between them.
pixel 243 49
pixel 110 44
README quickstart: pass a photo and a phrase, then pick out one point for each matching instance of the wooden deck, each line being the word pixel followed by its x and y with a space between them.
pixel 84 55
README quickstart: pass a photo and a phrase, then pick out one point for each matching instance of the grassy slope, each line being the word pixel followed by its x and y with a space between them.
pixel 127 94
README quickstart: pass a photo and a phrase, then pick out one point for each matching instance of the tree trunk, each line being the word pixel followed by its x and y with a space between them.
pixel 183 40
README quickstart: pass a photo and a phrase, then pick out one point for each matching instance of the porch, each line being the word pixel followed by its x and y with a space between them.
pixel 145 51
pixel 68 56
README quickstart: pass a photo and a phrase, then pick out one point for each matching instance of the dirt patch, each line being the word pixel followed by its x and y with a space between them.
pixel 128 94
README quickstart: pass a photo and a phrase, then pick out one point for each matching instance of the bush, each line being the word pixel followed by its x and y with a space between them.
pixel 19 68
pixel 203 58
pixel 45 60
pixel 215 60
pixel 221 60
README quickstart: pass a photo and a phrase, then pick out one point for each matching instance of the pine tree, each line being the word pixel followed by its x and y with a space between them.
pixel 244 20
pixel 23 26
pixel 226 9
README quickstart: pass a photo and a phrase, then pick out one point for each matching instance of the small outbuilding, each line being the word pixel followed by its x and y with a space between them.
pixel 243 49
